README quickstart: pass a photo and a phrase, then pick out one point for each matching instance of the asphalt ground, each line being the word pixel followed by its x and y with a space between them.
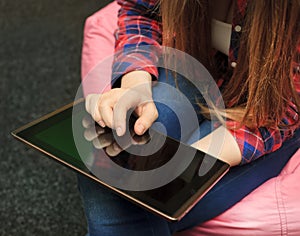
pixel 40 48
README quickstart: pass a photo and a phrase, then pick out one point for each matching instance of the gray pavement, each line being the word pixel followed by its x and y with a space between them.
pixel 40 46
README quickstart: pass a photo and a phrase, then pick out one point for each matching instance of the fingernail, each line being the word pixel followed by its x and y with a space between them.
pixel 140 129
pixel 101 123
pixel 116 147
pixel 119 131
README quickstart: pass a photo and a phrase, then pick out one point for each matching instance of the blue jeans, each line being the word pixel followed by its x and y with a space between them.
pixel 110 215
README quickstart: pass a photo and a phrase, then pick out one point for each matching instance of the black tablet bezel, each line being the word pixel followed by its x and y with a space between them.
pixel 142 198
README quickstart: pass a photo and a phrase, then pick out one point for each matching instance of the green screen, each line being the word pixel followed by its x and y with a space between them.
pixel 55 135
pixel 60 136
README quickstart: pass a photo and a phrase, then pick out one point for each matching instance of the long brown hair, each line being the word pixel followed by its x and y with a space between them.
pixel 262 83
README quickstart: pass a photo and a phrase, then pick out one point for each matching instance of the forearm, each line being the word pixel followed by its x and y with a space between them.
pixel 243 145
pixel 221 144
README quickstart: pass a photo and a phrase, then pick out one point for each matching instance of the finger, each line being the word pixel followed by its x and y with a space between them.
pixel 138 110
pixel 87 121
pixel 106 106
pixel 93 132
pixel 106 114
pixel 127 101
pixel 90 134
pixel 113 149
pixel 99 130
pixel 141 139
pixel 91 105
pixel 148 115
pixel 103 140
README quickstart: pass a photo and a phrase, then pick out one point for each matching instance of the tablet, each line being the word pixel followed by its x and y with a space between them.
pixel 158 173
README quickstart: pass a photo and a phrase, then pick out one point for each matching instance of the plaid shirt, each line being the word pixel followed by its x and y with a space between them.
pixel 139 26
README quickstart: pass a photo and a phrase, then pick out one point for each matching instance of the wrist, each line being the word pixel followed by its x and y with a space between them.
pixel 135 78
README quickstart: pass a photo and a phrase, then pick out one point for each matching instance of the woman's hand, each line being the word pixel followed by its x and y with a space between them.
pixel 110 109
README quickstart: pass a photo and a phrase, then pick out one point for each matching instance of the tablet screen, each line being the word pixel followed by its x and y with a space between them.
pixel 53 135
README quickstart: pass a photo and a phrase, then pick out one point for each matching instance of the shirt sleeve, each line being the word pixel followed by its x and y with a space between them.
pixel 138 37
pixel 256 142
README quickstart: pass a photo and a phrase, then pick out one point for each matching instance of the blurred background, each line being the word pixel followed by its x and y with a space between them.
pixel 40 47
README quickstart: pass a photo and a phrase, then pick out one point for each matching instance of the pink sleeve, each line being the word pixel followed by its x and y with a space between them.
pixel 98 49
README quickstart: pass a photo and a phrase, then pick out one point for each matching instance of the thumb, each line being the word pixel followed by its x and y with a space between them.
pixel 148 114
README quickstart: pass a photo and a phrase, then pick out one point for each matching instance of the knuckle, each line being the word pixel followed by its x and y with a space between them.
pixel 102 106
pixel 155 113
pixel 154 110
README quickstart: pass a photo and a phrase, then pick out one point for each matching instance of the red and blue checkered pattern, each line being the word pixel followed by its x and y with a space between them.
pixel 140 26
